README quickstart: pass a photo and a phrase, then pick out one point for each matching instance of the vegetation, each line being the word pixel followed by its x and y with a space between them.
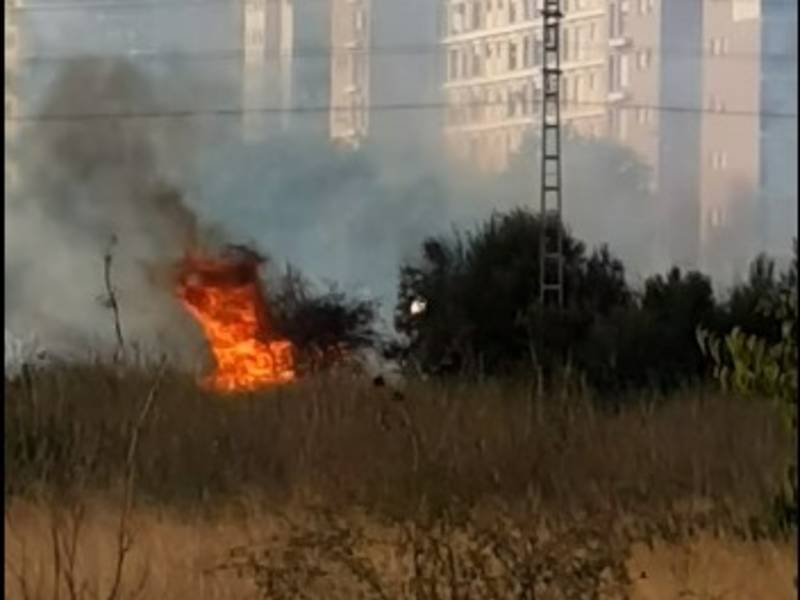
pixel 764 365
pixel 438 473
pixel 520 478
pixel 483 317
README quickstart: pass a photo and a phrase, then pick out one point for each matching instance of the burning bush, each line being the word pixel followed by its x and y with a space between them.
pixel 258 339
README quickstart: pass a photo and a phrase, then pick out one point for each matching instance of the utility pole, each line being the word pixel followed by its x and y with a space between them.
pixel 551 237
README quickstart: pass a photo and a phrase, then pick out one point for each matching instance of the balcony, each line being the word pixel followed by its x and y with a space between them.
pixel 617 96
pixel 619 41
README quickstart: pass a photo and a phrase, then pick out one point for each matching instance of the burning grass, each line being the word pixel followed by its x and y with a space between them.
pixel 321 483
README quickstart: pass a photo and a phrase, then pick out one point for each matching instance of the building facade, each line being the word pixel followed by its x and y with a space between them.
pixel 12 97
pixel 268 48
pixel 730 147
pixel 350 71
pixel 492 78
pixel 655 77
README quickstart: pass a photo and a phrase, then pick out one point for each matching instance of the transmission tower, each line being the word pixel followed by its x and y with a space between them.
pixel 551 238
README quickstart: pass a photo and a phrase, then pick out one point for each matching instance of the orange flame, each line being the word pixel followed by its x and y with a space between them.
pixel 225 297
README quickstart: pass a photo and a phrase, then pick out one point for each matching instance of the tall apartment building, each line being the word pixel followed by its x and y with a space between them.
pixel 730 148
pixel 655 77
pixel 492 79
pixel 268 34
pixel 350 71
pixel 12 103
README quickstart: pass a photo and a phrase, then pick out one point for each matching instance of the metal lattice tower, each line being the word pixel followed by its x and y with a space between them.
pixel 551 238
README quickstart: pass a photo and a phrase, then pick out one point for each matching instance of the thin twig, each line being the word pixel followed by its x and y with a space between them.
pixel 124 538
pixel 108 257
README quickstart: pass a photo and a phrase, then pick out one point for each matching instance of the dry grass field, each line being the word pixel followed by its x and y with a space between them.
pixel 137 484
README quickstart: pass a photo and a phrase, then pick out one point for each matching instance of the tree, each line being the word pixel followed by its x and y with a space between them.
pixel 480 292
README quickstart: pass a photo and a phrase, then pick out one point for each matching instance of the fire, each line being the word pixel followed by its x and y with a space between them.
pixel 225 297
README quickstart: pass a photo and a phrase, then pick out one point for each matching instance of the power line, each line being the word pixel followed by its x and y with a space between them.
pixel 396 50
pixel 398 107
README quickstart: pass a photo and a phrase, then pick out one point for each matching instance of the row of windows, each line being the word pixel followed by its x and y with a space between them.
pixel 490 104
pixel 717 46
pixel 477 14
pixel 508 54
pixel 473 15
pixel 516 99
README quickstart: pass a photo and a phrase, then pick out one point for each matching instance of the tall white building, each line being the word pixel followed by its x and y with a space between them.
pixel 12 100
pixel 350 71
pixel 268 33
pixel 492 80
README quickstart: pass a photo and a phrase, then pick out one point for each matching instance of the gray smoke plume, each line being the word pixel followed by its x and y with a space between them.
pixel 88 177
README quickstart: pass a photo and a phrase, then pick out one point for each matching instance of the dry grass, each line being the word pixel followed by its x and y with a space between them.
pixel 458 491
pixel 306 555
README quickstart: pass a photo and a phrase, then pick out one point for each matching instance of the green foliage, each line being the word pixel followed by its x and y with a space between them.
pixel 756 366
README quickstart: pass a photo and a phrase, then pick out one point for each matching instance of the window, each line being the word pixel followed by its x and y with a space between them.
pixel 618 75
pixel 537 49
pixel 526 51
pixel 643 58
pixel 453 64
pixel 565 47
pixel 612 20
pixel 578 43
pixel 718 46
pixel 530 9
pixel 477 62
pixel 512 11
pixel 477 14
pixel 719 160
pixel 512 56
pixel 591 81
pixel 459 18
pixel 624 71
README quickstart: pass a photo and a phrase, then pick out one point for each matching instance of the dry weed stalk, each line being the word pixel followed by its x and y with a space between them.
pixel 124 535
pixel 110 301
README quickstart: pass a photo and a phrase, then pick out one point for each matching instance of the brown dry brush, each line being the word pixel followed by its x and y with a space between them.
pixel 444 559
pixel 429 464
pixel 66 500
pixel 447 445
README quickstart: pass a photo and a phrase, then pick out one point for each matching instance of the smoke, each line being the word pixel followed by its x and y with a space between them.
pixel 85 179
pixel 349 217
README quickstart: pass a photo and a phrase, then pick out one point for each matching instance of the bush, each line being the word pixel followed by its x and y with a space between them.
pixel 325 328
pixel 480 294
pixel 482 312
